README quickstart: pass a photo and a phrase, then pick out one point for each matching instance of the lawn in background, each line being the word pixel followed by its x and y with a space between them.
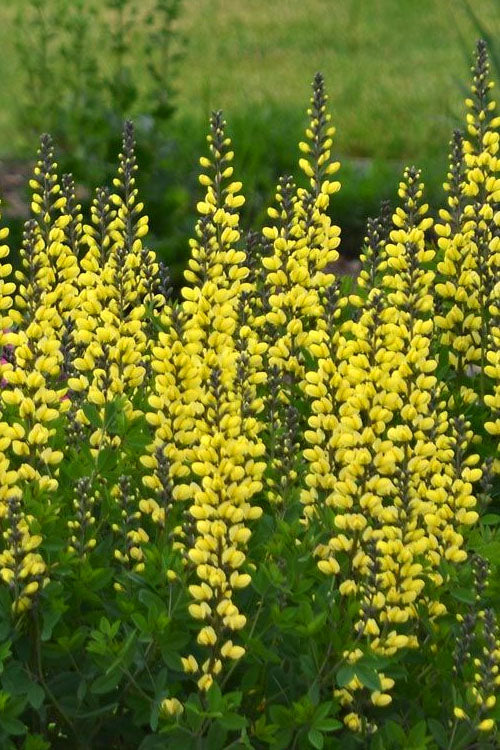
pixel 392 69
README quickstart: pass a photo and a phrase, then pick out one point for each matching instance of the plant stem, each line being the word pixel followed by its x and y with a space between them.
pixel 41 678
pixel 450 744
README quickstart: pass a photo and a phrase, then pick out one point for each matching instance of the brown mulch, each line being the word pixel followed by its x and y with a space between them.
pixel 14 176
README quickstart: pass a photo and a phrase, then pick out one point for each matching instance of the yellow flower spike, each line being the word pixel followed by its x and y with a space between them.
pixel 301 287
pixel 409 280
pixel 121 280
pixel 492 372
pixel 373 256
pixel 198 370
pixel 130 536
pixel 341 449
pixel 21 568
pixel 7 289
pixel 470 260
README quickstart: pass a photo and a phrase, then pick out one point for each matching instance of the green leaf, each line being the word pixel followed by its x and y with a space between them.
pixel 280 715
pixel 282 740
pixel 257 648
pixel 322 711
pixel 5 608
pixel 345 674
pixel 233 721
pixel 178 739
pixel 367 676
pixel 152 602
pixel 489 550
pixel 109 708
pixel 82 691
pixel 106 460
pixel 316 624
pixel 124 652
pixel 13 726
pixel 194 715
pixel 95 579
pixel 35 742
pixel 15 680
pixel 490 519
pixel 214 698
pixel 140 622
pixel 439 733
pixel 494 712
pixel 154 716
pixel 92 414
pixel 110 413
pixel 5 625
pixel 263 731
pixel 108 628
pixel 105 683
pixel 418 734
pixel 216 737
pixel 314 692
pixel 136 436
pixel 51 617
pixel 395 733
pixel 4 653
pixel 234 699
pixel 171 658
pixel 250 678
pixel 36 695
pixel 328 725
pixel 463 595
pixel 316 738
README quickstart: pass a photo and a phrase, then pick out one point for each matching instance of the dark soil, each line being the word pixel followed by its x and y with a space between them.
pixel 14 197
pixel 14 176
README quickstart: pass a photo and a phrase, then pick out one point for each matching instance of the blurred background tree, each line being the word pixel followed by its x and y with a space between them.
pixel 77 68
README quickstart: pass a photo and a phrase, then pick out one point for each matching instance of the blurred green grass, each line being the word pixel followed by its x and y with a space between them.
pixel 391 66
pixel 395 71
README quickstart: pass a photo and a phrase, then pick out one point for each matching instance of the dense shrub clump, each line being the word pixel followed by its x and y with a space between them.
pixel 256 517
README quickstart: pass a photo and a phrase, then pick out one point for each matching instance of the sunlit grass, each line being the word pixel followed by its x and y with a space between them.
pixel 391 66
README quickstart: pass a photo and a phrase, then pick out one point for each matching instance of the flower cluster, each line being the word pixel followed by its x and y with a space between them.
pixel 172 452
pixel 469 245
pixel 388 468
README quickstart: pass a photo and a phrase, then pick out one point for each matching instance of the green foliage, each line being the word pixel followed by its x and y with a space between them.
pixel 81 94
pixel 95 659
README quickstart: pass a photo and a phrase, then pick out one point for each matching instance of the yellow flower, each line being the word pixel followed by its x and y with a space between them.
pixel 171 707
pixel 189 664
pixel 207 636
pixel 205 682
pixel 380 699
pixel 486 725
pixel 353 722
pixel 230 651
